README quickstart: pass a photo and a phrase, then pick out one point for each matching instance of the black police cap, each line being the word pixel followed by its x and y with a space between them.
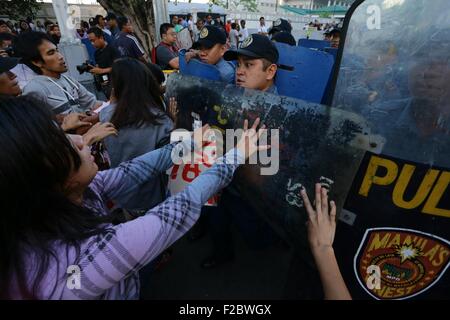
pixel 280 25
pixel 210 36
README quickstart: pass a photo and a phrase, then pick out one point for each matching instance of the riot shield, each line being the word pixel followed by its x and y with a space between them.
pixel 392 240
pixel 316 144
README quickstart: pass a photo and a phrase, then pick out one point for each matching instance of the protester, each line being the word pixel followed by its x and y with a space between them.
pixel 64 220
pixel 9 85
pixel 138 112
pixel 51 86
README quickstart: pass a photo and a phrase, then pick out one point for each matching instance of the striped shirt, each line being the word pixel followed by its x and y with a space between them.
pixel 128 45
pixel 109 262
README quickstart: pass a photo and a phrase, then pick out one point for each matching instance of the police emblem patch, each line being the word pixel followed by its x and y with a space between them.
pixel 204 33
pixel 247 42
pixel 409 262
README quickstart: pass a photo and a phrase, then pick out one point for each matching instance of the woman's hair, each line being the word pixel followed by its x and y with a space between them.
pixel 137 94
pixel 35 162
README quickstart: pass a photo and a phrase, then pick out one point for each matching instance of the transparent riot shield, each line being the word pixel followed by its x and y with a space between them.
pixel 392 240
pixel 311 143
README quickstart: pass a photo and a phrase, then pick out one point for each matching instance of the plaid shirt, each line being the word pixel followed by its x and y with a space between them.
pixel 109 262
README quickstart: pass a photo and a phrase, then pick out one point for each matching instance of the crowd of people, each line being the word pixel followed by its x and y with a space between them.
pixel 83 180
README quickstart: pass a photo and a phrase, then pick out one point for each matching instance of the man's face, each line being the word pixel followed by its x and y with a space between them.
pixel 112 23
pixel 5 44
pixel 335 40
pixel 128 28
pixel 175 20
pixel 97 42
pixel 199 24
pixel 53 61
pixel 170 37
pixel 262 22
pixel 4 29
pixel 209 19
pixel 251 74
pixel 213 54
pixel 101 22
pixel 57 31
pixel 8 84
pixel 429 81
pixel 24 25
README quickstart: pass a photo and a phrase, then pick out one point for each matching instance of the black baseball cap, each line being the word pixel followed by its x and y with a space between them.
pixel 280 25
pixel 7 64
pixel 255 46
pixel 284 37
pixel 209 37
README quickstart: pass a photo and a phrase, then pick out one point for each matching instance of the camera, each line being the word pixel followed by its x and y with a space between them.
pixel 84 67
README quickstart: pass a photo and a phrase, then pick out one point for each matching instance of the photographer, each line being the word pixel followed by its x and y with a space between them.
pixel 105 54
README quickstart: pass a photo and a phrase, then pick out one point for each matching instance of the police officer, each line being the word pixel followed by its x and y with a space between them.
pixel 280 25
pixel 211 47
pixel 257 63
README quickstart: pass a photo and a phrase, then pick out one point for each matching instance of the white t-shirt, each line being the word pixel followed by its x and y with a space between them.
pixel 262 29
pixel 234 38
pixel 243 34
pixel 190 25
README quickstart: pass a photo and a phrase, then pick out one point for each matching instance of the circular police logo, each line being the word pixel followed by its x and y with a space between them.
pixel 277 22
pixel 204 33
pixel 247 42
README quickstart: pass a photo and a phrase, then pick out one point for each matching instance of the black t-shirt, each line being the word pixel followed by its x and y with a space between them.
pixel 106 56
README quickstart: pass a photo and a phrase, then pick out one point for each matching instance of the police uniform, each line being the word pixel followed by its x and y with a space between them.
pixel 259 47
pixel 209 37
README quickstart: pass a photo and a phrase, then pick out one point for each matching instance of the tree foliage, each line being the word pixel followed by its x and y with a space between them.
pixel 19 9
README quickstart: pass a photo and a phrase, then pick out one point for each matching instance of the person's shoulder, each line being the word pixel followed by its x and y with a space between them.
pixel 106 113
pixel 38 83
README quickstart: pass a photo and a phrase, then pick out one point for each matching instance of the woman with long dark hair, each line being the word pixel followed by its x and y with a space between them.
pixel 57 239
pixel 137 112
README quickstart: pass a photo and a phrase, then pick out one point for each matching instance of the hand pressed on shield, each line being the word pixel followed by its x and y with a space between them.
pixel 248 144
pixel 321 231
pixel 321 219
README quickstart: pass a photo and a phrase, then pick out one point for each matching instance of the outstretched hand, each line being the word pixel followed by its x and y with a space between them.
pixel 321 219
pixel 248 144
